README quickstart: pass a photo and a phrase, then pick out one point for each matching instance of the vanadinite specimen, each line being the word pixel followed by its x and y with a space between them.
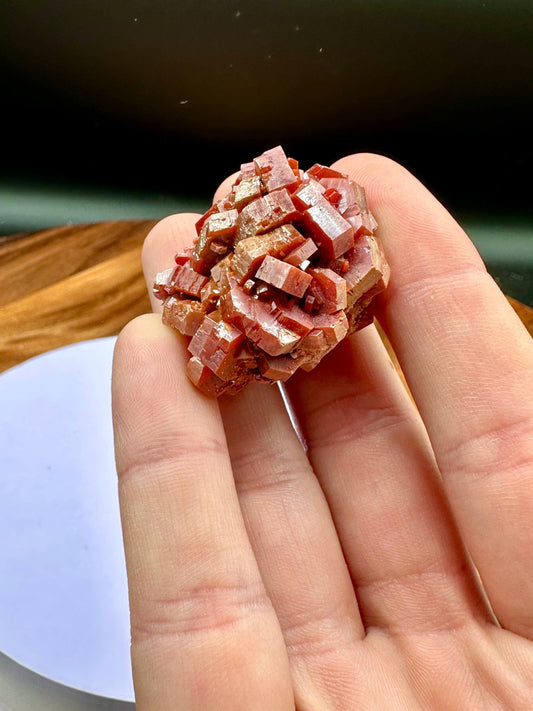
pixel 282 270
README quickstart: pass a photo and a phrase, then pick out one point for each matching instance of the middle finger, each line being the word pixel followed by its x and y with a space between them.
pixel 294 540
pixel 373 459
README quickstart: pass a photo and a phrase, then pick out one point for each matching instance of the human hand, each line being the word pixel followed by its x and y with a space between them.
pixel 264 577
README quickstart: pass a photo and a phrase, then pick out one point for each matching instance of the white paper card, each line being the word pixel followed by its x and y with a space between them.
pixel 63 591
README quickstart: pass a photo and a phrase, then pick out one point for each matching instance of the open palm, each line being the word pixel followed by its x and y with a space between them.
pixel 268 577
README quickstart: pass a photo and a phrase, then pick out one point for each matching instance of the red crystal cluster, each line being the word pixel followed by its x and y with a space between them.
pixel 282 270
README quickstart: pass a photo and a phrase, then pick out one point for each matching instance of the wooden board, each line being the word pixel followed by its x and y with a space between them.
pixel 72 283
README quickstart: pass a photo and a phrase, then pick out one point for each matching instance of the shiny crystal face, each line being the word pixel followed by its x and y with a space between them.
pixel 282 269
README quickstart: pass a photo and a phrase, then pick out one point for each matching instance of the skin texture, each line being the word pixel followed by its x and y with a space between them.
pixel 268 577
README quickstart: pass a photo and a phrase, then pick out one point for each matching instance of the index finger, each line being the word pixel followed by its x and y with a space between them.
pixel 171 235
pixel 197 600
pixel 469 364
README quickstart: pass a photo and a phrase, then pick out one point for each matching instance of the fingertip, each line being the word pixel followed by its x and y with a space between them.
pixel 224 187
pixel 172 234
pixel 138 331
pixel 388 183
pixel 140 354
pixel 150 389
pixel 367 163
pixel 419 235
pixel 135 344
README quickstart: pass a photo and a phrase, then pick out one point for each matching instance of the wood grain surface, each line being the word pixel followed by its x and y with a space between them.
pixel 73 283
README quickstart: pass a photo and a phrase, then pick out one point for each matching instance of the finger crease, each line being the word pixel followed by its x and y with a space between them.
pixel 435 570
pixel 315 635
pixel 257 473
pixel 495 451
pixel 172 453
pixel 331 427
pixel 419 288
pixel 198 611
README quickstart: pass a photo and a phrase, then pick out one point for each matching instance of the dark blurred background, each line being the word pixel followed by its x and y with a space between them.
pixel 135 109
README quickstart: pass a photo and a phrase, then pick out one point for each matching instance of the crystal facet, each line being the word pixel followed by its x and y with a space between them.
pixel 283 268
